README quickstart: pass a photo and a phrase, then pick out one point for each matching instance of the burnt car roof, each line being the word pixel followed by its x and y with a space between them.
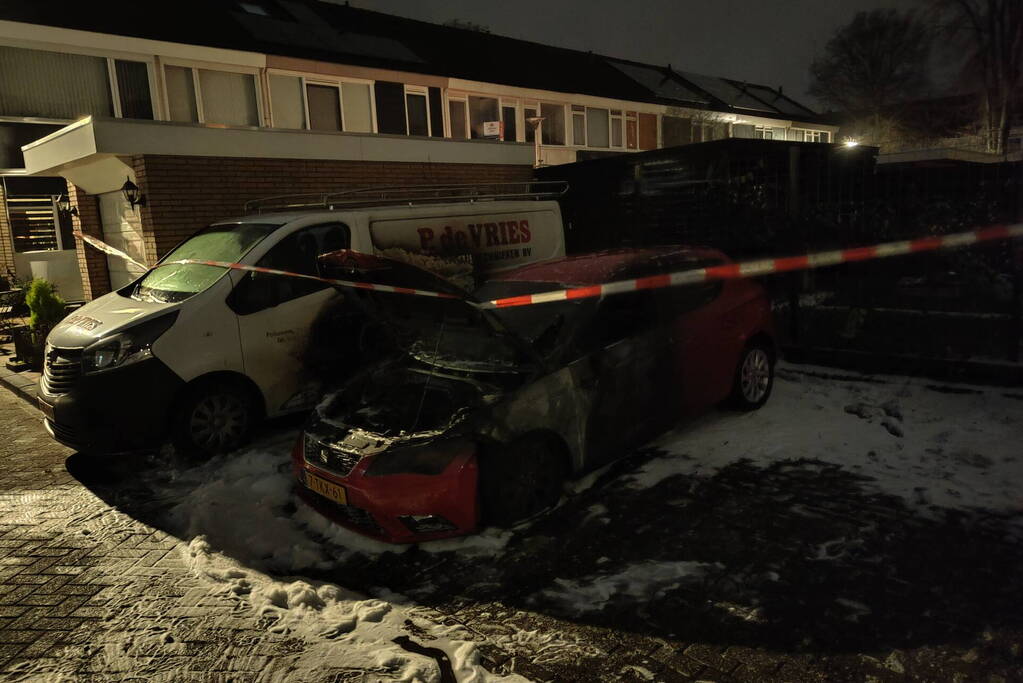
pixel 606 266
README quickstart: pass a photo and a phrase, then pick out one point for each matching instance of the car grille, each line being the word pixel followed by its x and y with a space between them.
pixel 333 460
pixel 61 370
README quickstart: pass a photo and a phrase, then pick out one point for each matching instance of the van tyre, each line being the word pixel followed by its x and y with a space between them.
pixel 754 378
pixel 521 480
pixel 213 417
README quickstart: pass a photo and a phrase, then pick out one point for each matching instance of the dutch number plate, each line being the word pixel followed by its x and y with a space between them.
pixel 326 489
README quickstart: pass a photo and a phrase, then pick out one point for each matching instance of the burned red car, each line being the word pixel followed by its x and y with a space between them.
pixel 478 417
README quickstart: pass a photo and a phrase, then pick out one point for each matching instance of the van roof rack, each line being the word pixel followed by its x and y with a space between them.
pixel 410 195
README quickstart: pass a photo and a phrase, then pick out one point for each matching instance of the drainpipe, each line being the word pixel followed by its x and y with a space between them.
pixel 536 123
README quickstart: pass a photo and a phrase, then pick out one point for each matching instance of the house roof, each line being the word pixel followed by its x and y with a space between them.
pixel 329 32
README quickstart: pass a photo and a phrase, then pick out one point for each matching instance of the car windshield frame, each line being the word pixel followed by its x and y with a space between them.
pixel 198 277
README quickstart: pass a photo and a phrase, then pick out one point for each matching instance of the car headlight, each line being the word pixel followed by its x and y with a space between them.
pixel 432 458
pixel 125 348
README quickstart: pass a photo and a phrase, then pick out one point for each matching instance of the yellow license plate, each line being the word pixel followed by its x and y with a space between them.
pixel 326 489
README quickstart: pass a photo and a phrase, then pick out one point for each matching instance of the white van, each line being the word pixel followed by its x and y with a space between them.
pixel 202 353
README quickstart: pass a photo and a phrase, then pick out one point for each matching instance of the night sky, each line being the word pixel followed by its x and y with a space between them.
pixel 766 42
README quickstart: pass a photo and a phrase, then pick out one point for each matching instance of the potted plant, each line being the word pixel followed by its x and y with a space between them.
pixel 46 309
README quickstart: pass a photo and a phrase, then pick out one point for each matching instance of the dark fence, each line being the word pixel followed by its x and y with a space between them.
pixel 754 198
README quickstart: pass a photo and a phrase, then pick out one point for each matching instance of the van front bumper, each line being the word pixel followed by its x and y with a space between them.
pixel 123 409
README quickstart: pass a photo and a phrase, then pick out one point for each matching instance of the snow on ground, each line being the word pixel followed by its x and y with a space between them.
pixel 936 446
pixel 640 582
pixel 933 448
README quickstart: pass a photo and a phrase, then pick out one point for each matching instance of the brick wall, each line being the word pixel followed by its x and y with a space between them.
pixel 185 193
pixel 92 263
pixel 6 241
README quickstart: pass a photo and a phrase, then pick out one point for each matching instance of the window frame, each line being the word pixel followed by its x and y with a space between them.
pixel 155 84
pixel 424 92
pixel 564 118
pixel 457 97
pixel 513 102
pixel 612 117
pixel 321 79
pixel 261 114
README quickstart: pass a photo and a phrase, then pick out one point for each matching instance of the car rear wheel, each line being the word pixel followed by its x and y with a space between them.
pixel 213 417
pixel 754 378
pixel 522 480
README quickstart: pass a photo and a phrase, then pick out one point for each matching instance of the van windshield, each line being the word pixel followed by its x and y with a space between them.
pixel 226 242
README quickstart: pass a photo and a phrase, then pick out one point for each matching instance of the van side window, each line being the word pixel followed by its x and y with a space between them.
pixel 296 253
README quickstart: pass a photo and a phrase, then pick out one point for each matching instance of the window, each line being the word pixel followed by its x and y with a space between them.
pixel 616 127
pixel 181 94
pixel 598 127
pixel 133 89
pixel 482 110
pixel 676 130
pixel 553 124
pixel 648 131
pixel 529 112
pixel 296 253
pixel 818 136
pixel 287 107
pixel 508 114
pixel 53 85
pixel 34 224
pixel 356 103
pixel 418 113
pixel 578 125
pixel 324 107
pixel 228 98
pixel 456 119
pixel 795 135
pixel 768 133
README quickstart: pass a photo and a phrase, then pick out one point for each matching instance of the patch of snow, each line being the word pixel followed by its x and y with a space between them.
pixel 644 581
pixel 932 447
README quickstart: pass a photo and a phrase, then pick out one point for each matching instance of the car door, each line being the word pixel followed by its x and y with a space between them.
pixel 702 345
pixel 275 314
pixel 630 373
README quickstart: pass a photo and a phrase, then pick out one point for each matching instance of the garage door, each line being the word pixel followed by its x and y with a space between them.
pixel 122 229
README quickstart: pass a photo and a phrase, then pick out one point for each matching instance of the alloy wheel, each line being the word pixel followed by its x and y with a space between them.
pixel 219 421
pixel 755 376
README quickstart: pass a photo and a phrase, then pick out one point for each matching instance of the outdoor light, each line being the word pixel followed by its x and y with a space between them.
pixel 132 194
pixel 64 206
pixel 851 143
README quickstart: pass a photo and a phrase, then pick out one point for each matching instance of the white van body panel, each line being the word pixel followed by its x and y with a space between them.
pixel 204 338
pixel 109 314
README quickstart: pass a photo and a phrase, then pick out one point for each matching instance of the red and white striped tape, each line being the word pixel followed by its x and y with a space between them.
pixel 107 249
pixel 730 271
pixel 734 271
pixel 341 283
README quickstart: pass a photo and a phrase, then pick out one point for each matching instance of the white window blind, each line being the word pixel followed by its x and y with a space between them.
pixel 598 127
pixel 286 101
pixel 358 112
pixel 181 94
pixel 228 98
pixel 53 84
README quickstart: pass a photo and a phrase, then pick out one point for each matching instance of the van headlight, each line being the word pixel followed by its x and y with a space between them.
pixel 125 348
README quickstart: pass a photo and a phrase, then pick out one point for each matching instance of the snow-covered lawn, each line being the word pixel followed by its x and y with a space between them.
pixel 250 536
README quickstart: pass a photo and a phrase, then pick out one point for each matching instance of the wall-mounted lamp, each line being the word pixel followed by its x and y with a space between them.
pixel 64 206
pixel 849 142
pixel 132 194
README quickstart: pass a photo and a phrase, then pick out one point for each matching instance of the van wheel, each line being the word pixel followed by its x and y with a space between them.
pixel 521 480
pixel 213 417
pixel 754 378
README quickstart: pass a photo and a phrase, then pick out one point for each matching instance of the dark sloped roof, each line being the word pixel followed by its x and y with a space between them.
pixel 338 33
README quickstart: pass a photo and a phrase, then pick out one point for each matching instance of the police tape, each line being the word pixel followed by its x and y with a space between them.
pixel 748 269
pixel 106 248
pixel 729 271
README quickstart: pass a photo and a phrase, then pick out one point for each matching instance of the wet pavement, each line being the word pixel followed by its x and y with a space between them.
pixel 794 571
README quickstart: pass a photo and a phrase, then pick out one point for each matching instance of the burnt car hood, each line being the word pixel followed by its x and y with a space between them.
pixel 445 332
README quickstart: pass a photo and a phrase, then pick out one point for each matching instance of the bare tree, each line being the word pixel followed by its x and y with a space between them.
pixel 878 59
pixel 993 33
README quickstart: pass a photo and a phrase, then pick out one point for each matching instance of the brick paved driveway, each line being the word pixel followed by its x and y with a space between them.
pixel 804 576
